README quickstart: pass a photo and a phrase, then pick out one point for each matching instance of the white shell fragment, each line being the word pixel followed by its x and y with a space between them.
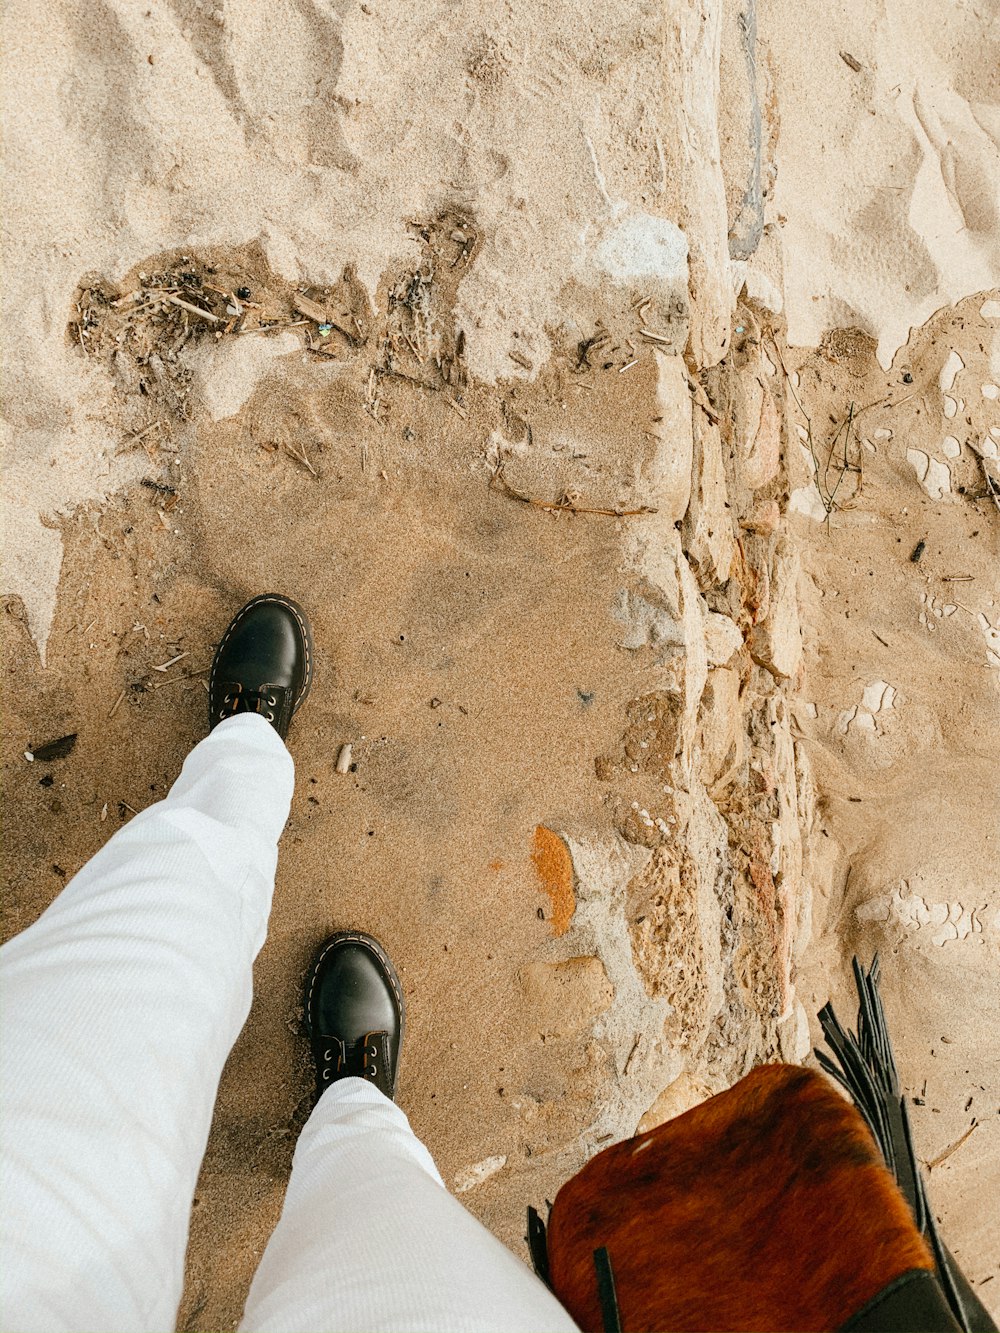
pixel 475 1175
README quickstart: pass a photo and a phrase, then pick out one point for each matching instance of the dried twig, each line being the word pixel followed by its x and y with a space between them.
pixel 134 439
pixel 635 1047
pixel 565 504
pixel 315 313
pixel 952 1147
pixel 301 458
pixel 272 328
pixel 165 665
pixel 195 310
pixel 311 309
pixel 847 426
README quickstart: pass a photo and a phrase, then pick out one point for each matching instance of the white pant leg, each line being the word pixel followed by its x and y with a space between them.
pixel 370 1239
pixel 119 1007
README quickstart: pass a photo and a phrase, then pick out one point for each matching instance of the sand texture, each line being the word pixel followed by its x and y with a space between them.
pixel 592 377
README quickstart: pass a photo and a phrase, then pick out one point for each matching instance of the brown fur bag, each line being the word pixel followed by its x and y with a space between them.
pixel 767 1207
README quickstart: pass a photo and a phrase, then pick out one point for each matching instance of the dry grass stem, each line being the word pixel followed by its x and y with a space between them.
pixel 566 503
pixel 195 310
pixel 301 457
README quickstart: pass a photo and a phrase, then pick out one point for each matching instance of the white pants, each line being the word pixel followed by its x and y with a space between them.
pixel 119 1008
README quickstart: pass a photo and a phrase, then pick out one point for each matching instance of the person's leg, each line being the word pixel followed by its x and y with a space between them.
pixel 370 1239
pixel 121 1003
pixel 119 1007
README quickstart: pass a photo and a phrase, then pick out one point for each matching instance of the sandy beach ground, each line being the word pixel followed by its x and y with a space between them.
pixel 618 390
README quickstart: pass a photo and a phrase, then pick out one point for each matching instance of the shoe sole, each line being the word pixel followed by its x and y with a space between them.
pixel 304 629
pixel 358 937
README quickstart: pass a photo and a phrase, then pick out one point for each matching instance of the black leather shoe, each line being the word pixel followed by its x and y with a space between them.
pixel 263 664
pixel 354 1012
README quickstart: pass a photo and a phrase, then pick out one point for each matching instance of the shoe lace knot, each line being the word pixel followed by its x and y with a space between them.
pixel 262 699
pixel 366 1058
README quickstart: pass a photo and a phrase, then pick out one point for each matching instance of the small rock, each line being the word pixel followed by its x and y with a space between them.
pixel 475 1175
pixel 722 638
pixel 55 749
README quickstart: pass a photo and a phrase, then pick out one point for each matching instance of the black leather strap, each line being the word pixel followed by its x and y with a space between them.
pixel 911 1303
pixel 538 1245
pixel 606 1293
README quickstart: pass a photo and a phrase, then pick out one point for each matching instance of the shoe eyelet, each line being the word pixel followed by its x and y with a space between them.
pixel 272 701
pixel 326 1075
pixel 328 1055
pixel 269 717
pixel 373 1072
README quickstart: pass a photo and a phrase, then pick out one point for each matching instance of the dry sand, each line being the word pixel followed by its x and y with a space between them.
pixel 899 717
pixel 498 211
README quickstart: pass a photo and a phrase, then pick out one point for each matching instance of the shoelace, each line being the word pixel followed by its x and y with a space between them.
pixel 236 699
pixel 360 1059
